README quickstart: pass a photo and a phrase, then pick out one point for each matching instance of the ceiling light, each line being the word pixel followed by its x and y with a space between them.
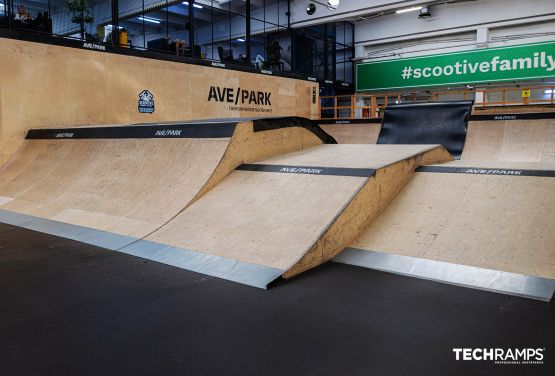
pixel 333 4
pixel 240 40
pixel 148 19
pixel 198 6
pixel 548 91
pixel 408 10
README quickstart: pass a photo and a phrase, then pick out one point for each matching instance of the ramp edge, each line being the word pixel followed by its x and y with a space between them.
pixel 233 270
pixel 87 235
pixel 237 271
pixel 461 275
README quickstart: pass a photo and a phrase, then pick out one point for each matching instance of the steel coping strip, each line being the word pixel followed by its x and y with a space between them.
pixel 87 235
pixel 216 266
pixel 462 275
pixel 234 270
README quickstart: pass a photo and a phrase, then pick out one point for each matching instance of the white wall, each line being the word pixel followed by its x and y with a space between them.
pixel 346 9
pixel 453 27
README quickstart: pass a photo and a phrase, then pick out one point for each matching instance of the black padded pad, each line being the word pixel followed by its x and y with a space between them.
pixel 442 123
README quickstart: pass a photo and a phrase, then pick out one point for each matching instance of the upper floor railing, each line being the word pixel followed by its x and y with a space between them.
pixel 372 105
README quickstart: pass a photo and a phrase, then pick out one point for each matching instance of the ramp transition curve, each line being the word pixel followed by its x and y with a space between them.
pixel 110 186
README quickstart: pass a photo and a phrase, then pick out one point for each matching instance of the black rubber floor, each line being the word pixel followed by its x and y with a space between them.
pixel 67 308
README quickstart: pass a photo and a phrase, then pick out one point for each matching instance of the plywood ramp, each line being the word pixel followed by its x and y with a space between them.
pixel 286 214
pixel 129 181
pixel 351 132
pixel 486 225
pixel 511 138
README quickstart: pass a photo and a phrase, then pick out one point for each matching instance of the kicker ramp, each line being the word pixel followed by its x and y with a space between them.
pixel 527 137
pixel 487 225
pixel 441 123
pixel 286 214
pixel 111 186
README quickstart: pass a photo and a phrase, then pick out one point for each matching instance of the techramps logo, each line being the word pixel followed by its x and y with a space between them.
pixel 515 356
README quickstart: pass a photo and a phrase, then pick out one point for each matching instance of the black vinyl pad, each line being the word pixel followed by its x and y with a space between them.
pixel 442 123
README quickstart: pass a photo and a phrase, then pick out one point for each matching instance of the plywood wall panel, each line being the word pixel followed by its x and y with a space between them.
pixel 44 85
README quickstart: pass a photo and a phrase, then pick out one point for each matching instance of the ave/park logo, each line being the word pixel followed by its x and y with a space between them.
pixel 230 95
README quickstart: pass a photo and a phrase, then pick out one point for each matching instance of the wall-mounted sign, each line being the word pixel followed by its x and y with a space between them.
pixel 468 67
pixel 526 93
pixel 241 99
pixel 146 102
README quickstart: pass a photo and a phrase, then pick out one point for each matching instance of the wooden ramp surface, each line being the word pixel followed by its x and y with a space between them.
pixel 353 132
pixel 513 140
pixel 286 214
pixel 494 222
pixel 129 181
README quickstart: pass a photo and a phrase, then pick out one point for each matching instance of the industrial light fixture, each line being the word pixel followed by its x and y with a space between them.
pixel 408 10
pixel 149 19
pixel 425 12
pixel 240 40
pixel 548 91
pixel 333 4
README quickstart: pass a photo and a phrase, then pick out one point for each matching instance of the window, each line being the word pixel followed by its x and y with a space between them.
pixel 254 33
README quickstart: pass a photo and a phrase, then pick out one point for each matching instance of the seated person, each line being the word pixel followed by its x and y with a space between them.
pixel 243 59
pixel 177 45
pixel 259 62
pixel 274 52
pixel 22 14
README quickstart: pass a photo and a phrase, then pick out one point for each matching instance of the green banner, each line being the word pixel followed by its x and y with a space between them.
pixel 467 67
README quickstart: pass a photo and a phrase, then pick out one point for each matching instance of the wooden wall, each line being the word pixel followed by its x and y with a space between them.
pixel 44 85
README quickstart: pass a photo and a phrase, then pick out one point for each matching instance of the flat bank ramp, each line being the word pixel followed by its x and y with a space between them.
pixel 528 137
pixel 111 186
pixel 485 225
pixel 286 214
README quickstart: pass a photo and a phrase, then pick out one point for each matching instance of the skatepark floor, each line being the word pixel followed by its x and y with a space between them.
pixel 70 308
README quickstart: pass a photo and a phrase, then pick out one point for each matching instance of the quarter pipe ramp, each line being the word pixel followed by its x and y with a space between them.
pixel 110 186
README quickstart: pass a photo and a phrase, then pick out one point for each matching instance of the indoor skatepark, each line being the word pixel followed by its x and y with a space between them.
pixel 221 232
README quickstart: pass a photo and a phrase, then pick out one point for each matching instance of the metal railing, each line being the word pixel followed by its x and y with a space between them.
pixel 360 106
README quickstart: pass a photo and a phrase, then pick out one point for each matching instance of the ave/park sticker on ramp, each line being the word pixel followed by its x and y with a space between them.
pixel 308 170
pixel 486 171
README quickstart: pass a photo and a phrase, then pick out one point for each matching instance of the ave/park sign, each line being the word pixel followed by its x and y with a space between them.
pixel 487 65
